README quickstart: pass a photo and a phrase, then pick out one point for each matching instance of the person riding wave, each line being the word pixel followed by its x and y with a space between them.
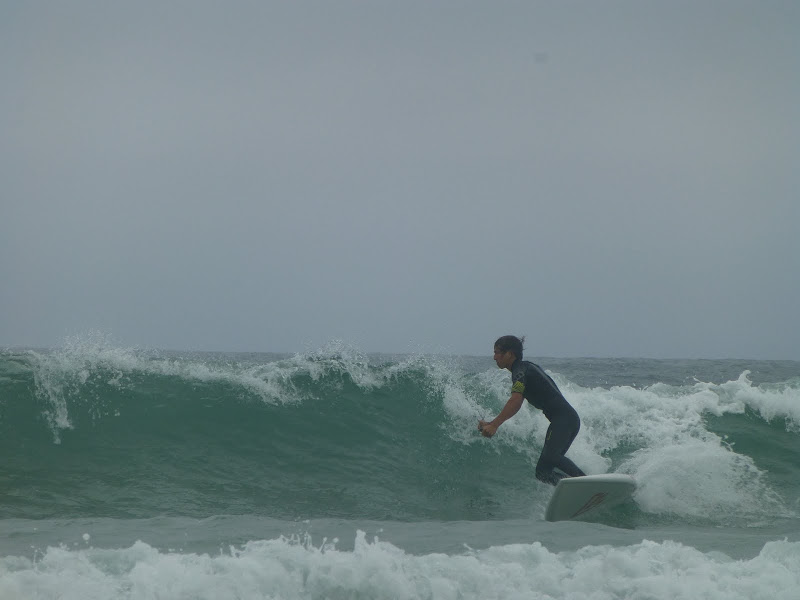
pixel 530 382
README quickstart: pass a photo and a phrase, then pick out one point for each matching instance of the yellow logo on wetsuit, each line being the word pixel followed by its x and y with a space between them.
pixel 518 387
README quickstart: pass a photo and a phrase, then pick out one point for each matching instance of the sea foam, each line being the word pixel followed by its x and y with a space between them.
pixel 291 568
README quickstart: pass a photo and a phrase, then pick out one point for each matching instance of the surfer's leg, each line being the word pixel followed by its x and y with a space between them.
pixel 548 459
pixel 565 464
pixel 557 441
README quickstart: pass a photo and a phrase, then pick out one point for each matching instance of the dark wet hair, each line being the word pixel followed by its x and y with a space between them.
pixel 510 342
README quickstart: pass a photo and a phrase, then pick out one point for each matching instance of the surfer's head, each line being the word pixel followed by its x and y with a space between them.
pixel 510 343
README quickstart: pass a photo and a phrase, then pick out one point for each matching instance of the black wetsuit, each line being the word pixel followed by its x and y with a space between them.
pixel 540 390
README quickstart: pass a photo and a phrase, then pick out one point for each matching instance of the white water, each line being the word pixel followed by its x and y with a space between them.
pixel 290 568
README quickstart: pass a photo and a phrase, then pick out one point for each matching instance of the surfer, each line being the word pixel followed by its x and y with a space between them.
pixel 530 382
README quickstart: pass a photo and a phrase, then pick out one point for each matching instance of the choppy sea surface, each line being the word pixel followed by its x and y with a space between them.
pixel 142 474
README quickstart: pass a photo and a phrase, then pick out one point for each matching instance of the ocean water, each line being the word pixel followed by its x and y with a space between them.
pixel 140 474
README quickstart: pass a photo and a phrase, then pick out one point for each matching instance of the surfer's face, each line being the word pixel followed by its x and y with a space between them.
pixel 503 358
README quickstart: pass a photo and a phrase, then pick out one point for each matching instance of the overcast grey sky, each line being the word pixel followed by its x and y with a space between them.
pixel 608 178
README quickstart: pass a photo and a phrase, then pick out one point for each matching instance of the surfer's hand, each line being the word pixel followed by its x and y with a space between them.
pixel 486 429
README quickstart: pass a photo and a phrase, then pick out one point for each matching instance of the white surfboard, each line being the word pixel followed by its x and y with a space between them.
pixel 578 496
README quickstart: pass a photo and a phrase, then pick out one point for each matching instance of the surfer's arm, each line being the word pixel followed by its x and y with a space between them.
pixel 509 410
